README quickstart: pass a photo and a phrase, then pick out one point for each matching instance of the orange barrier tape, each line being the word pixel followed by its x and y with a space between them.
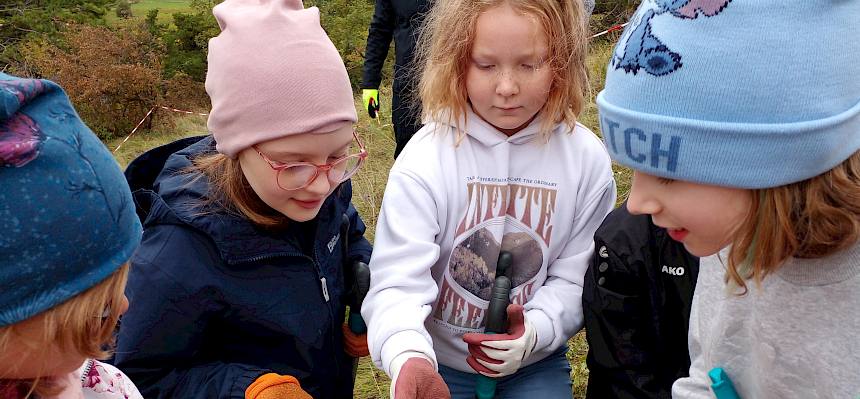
pixel 612 29
pixel 151 110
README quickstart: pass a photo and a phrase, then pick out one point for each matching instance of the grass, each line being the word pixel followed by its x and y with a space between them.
pixel 369 185
pixel 137 144
pixel 598 59
pixel 165 14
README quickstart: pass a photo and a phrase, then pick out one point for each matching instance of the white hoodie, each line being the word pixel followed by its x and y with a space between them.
pixel 449 210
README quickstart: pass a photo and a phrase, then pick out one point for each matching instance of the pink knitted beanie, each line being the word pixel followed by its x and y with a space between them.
pixel 273 72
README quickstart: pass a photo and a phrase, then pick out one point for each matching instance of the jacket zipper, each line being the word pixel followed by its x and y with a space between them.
pixel 320 277
pixel 332 319
pixel 323 288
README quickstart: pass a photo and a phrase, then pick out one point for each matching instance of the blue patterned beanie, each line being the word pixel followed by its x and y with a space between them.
pixel 67 220
pixel 736 93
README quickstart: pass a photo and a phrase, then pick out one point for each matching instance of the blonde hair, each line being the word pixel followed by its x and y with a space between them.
pixel 229 188
pixel 75 325
pixel 810 219
pixel 445 45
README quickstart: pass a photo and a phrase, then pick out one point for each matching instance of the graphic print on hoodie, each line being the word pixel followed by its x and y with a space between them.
pixel 513 216
pixel 456 197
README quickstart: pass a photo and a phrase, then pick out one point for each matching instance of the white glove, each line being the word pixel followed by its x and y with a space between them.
pixel 499 355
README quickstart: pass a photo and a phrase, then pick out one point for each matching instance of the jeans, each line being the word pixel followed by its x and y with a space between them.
pixel 546 379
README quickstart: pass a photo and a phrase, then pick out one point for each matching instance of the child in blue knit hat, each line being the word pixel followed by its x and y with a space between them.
pixel 68 228
pixel 744 139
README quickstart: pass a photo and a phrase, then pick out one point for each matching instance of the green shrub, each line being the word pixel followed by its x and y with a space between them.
pixel 123 9
pixel 346 22
pixel 21 20
pixel 186 41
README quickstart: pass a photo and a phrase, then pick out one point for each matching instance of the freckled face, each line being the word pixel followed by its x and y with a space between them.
pixel 508 79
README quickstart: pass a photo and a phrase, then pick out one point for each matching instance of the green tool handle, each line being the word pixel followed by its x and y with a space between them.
pixel 485 387
pixel 497 318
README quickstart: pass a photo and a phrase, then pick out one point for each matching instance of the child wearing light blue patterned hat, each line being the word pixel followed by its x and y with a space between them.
pixel 741 120
pixel 67 228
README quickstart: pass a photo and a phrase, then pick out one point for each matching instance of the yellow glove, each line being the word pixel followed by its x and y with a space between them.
pixel 276 386
pixel 370 99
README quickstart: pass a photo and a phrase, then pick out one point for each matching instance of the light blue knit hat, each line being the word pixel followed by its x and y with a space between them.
pixel 67 219
pixel 737 93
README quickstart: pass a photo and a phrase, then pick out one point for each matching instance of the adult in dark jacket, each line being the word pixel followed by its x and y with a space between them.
pixel 400 20
pixel 218 302
pixel 636 298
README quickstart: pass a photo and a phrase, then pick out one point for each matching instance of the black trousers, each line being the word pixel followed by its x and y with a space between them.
pixel 405 116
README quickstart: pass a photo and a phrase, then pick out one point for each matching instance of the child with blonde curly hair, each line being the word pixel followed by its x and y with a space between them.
pixel 501 165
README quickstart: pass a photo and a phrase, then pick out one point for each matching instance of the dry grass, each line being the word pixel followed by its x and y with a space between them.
pixel 598 58
pixel 142 141
pixel 166 9
pixel 369 185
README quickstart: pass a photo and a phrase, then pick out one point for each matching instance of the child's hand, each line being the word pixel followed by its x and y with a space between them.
pixel 354 345
pixel 498 355
pixel 418 379
pixel 276 386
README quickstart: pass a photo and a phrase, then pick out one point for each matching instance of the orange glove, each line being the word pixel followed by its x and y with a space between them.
pixel 354 345
pixel 276 386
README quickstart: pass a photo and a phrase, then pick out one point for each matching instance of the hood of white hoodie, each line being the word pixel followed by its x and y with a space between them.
pixel 476 127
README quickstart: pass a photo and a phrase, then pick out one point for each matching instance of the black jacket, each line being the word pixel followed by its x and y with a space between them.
pixel 400 19
pixel 636 299
pixel 216 302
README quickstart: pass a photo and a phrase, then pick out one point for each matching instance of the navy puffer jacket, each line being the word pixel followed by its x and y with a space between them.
pixel 217 302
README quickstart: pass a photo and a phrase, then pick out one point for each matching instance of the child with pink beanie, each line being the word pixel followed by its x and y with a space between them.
pixel 239 286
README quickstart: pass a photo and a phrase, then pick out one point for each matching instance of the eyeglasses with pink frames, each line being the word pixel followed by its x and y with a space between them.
pixel 298 175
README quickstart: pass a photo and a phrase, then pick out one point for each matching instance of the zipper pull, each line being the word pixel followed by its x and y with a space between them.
pixel 324 288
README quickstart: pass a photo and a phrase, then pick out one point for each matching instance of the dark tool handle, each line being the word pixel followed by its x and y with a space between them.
pixel 361 284
pixel 497 317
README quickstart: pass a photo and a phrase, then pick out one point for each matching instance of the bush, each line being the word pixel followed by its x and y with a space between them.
pixel 151 23
pixel 112 76
pixel 21 20
pixel 186 42
pixel 185 92
pixel 123 9
pixel 608 13
pixel 346 22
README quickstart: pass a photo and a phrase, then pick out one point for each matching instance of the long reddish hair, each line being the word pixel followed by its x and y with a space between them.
pixel 810 219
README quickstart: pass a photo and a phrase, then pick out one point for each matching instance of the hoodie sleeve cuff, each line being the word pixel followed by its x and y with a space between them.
pixel 397 364
pixel 406 341
pixel 543 327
